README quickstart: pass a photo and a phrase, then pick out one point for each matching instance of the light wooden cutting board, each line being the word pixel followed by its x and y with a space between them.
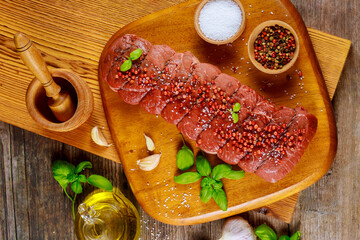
pixel 156 191
pixel 65 52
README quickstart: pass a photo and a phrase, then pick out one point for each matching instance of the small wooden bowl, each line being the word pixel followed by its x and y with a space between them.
pixel 254 34
pixel 36 101
pixel 217 42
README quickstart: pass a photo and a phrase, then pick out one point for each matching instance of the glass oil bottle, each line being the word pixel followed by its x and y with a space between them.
pixel 107 216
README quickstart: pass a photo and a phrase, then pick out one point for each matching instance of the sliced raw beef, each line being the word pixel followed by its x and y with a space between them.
pixel 176 72
pixel 247 136
pixel 197 98
pixel 116 50
pixel 290 148
pixel 208 106
pixel 270 136
pixel 222 126
pixel 117 79
pixel 148 72
pixel 197 84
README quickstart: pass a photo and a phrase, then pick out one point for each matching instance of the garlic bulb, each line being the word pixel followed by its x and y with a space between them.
pixel 149 143
pixel 149 163
pixel 237 228
pixel 98 137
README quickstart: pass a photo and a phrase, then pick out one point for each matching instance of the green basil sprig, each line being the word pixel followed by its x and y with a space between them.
pixel 185 157
pixel 234 175
pixel 66 173
pixel 234 112
pixel 206 194
pixel 128 63
pixel 203 166
pixel 220 171
pixel 211 184
pixel 100 182
pixel 264 232
pixel 295 236
pixel 284 237
pixel 135 54
pixel 220 198
pixel 187 178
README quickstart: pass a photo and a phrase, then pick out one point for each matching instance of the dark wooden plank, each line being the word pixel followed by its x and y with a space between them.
pixel 45 202
pixel 20 190
pixel 330 208
pixel 6 209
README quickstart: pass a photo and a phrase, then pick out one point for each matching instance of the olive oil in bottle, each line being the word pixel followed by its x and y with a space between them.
pixel 107 216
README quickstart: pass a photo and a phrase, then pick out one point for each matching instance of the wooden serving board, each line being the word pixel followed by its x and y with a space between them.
pixel 177 204
pixel 60 52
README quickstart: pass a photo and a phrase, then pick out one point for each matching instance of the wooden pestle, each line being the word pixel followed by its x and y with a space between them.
pixel 59 101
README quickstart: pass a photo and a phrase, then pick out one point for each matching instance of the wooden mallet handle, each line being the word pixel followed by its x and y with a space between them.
pixel 33 60
pixel 60 102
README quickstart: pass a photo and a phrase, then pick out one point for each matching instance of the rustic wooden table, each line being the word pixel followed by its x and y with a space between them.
pixel 32 205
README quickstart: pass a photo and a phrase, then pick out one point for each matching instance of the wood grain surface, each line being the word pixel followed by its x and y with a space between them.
pixel 156 191
pixel 11 104
pixel 327 210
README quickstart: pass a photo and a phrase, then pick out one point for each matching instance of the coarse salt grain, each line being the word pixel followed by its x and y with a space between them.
pixel 220 19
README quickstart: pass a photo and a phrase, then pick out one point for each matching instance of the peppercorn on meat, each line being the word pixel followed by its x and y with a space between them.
pixel 147 74
pixel 219 130
pixel 176 73
pixel 248 138
pixel 204 110
pixel 124 46
pixel 199 99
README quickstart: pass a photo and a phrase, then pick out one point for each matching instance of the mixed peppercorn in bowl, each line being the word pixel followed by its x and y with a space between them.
pixel 273 47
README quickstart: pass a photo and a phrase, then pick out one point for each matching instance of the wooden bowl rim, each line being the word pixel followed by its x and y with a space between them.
pixel 256 32
pixel 83 110
pixel 219 42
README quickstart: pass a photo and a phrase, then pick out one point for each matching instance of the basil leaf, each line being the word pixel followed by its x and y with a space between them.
pixel 284 237
pixel 82 165
pixel 264 232
pixel 207 182
pixel 63 173
pixel 72 177
pixel 188 177
pixel 202 165
pixel 220 198
pixel 295 236
pixel 218 184
pixel 220 171
pixel 184 158
pixel 235 175
pixel 62 168
pixel 235 117
pixel 62 180
pixel 126 65
pixel 237 107
pixel 100 182
pixel 82 178
pixel 76 187
pixel 206 193
pixel 135 54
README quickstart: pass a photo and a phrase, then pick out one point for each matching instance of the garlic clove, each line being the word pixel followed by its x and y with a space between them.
pixel 237 228
pixel 149 143
pixel 98 137
pixel 149 163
